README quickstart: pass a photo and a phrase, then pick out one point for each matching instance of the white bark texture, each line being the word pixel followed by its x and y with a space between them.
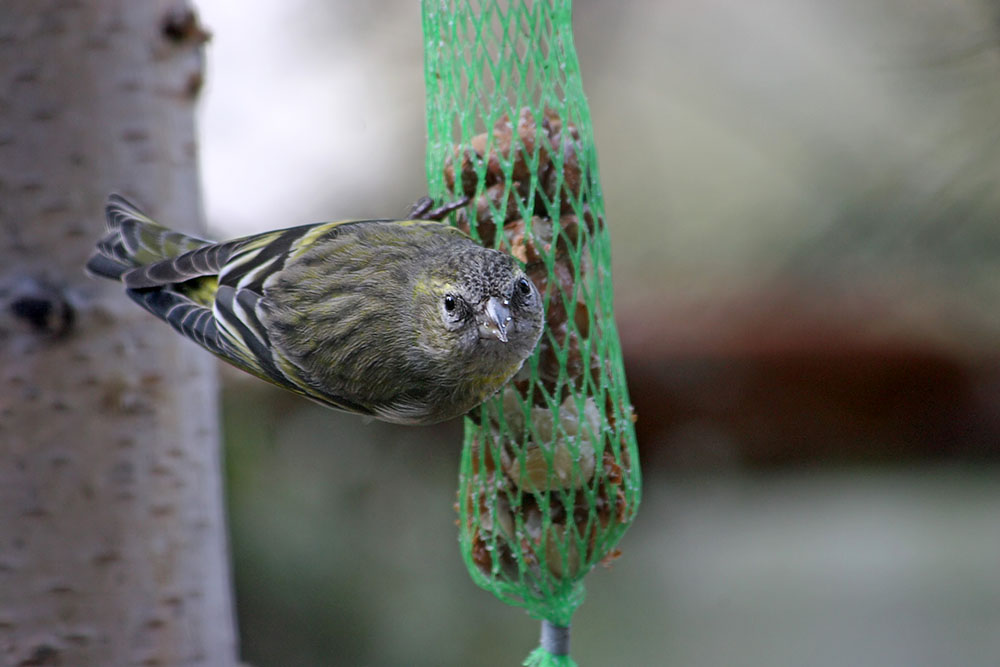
pixel 112 534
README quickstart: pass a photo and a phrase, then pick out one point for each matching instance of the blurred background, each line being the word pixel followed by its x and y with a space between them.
pixel 803 204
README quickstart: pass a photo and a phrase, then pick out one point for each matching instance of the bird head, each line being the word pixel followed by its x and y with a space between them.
pixel 485 305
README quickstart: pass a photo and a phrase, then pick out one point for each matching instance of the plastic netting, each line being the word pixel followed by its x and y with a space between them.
pixel 549 478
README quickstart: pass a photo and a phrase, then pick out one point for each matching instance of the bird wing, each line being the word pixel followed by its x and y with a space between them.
pixel 212 293
pixel 239 303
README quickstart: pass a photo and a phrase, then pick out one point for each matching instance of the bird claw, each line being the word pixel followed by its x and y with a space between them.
pixel 422 209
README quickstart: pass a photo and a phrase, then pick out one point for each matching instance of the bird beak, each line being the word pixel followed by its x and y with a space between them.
pixel 495 318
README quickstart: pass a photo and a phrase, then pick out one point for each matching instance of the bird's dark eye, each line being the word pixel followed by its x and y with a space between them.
pixel 523 286
pixel 450 303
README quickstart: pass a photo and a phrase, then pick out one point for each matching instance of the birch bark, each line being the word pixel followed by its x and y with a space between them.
pixel 112 533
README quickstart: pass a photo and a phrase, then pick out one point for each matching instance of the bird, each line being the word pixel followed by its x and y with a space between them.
pixel 404 321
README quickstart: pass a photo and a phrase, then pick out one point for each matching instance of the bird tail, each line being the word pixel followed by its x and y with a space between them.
pixel 134 239
pixel 172 275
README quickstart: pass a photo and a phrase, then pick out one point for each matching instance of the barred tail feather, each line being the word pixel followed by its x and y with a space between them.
pixel 106 267
pixel 171 275
pixel 145 240
pixel 189 319
pixel 206 260
pixel 134 239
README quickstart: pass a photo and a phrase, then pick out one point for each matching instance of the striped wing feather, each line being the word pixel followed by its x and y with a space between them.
pixel 209 292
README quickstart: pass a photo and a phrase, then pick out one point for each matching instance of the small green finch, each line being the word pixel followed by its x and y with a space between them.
pixel 406 321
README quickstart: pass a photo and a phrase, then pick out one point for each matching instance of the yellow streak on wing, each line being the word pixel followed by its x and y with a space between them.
pixel 309 238
pixel 201 290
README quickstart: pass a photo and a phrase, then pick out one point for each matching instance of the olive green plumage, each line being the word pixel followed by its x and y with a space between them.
pixel 405 321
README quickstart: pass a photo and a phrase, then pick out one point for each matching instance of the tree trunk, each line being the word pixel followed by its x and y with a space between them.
pixel 112 533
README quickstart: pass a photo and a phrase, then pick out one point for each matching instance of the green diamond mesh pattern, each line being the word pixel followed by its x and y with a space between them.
pixel 549 477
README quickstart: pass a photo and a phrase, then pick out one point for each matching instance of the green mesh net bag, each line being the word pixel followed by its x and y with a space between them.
pixel 549 477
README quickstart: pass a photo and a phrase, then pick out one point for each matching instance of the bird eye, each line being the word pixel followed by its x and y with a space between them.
pixel 523 286
pixel 450 303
